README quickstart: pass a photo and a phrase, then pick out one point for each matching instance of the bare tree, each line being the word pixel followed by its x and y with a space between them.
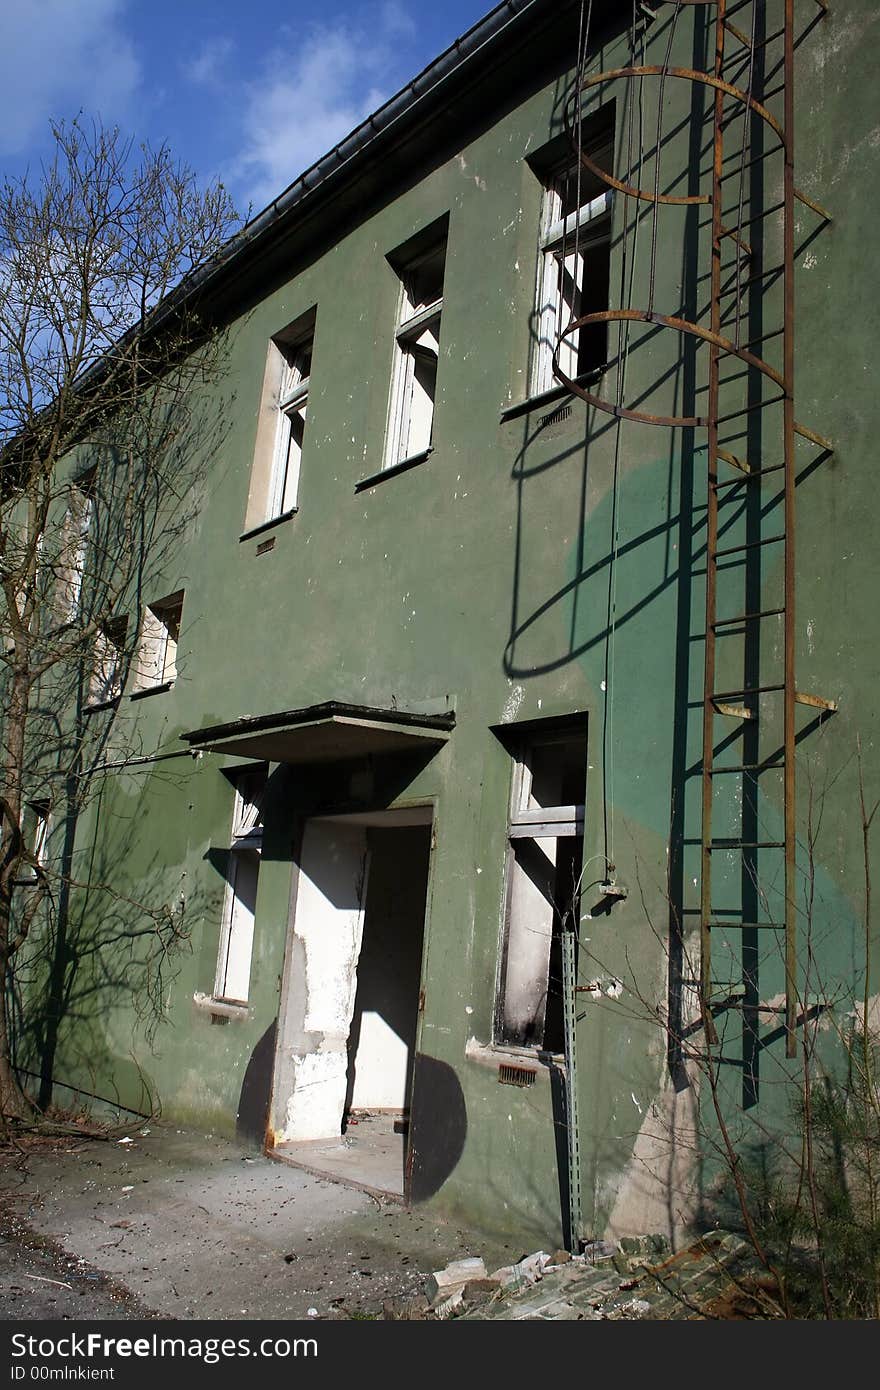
pixel 105 353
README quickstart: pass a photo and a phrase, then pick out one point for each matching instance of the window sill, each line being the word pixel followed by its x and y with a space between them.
pixel 151 690
pixel 220 1007
pixel 403 467
pixel 267 525
pixel 495 1055
pixel 104 704
pixel 556 393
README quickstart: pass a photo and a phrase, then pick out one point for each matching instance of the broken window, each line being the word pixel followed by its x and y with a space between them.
pixel 75 531
pixel 232 982
pixel 573 270
pixel 545 851
pixel 416 350
pixel 281 427
pixel 108 672
pixel 157 651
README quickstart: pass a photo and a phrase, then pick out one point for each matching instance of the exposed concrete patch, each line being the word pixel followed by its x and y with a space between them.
pixel 659 1189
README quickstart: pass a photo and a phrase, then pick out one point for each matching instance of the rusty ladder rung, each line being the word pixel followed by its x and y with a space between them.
pixel 749 690
pixel 745 844
pixel 746 926
pixel 749 545
pixel 747 617
pixel 767 766
pixel 748 474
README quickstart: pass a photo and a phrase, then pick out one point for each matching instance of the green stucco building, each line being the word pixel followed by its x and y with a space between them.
pixel 422 688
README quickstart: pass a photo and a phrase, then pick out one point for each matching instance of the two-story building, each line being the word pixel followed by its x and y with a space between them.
pixel 465 716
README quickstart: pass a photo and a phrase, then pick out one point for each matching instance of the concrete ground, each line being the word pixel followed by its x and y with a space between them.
pixel 185 1225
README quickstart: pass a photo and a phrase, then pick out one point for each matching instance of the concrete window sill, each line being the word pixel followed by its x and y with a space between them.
pixel 551 397
pixel 151 690
pixel 403 467
pixel 104 704
pixel 495 1055
pixel 268 525
pixel 221 1008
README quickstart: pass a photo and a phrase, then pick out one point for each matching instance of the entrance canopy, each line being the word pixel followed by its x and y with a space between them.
pixel 328 732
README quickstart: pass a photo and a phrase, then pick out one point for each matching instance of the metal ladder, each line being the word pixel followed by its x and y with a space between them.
pixel 730 479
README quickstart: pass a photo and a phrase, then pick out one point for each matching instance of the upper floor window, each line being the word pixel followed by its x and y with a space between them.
pixel 108 670
pixel 545 852
pixel 573 270
pixel 75 532
pixel 157 649
pixel 293 399
pixel 421 267
pixel 274 492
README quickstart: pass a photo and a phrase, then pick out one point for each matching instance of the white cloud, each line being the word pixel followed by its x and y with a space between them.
pixel 397 20
pixel 208 65
pixel 53 51
pixel 323 83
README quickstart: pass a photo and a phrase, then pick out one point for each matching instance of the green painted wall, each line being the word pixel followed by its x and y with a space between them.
pixel 483 578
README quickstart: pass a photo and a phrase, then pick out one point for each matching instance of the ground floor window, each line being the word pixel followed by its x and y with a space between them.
pixel 232 982
pixel 544 857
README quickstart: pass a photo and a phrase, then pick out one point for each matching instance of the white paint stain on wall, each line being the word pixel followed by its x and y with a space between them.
pixel 512 704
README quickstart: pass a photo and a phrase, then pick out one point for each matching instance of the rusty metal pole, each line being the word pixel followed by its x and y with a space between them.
pixel 711 538
pixel 788 459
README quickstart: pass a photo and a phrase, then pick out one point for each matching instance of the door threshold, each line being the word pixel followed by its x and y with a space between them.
pixel 294 1156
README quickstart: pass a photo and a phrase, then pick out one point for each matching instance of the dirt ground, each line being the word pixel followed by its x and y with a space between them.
pixel 176 1224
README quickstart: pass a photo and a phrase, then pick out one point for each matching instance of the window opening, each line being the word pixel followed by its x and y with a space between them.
pixel 292 407
pixel 573 271
pixel 416 354
pixel 545 853
pixel 76 530
pixel 232 981
pixel 108 671
pixel 160 635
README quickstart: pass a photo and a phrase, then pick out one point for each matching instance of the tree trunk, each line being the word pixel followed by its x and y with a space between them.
pixel 14 1104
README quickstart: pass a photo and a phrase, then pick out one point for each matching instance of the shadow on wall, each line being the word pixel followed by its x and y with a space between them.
pixel 439 1126
pixel 252 1114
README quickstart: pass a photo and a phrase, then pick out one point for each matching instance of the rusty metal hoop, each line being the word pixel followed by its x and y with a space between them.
pixel 688 75
pixel 680 325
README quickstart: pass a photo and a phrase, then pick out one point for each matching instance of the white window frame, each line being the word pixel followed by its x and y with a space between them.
pixel 545 825
pixel 293 397
pixel 417 344
pixel 160 635
pixel 235 951
pixel 564 249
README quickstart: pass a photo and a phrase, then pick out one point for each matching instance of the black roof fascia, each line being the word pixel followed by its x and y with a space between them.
pixel 515 28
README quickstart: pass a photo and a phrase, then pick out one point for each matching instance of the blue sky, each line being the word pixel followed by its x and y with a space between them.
pixel 243 90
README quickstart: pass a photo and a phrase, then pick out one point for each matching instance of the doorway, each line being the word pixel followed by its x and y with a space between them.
pixel 349 1015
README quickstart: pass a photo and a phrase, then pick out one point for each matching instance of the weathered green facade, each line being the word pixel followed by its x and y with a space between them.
pixel 540 562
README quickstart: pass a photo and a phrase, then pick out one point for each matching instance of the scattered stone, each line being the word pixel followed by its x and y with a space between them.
pixel 444 1282
pixel 525 1272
